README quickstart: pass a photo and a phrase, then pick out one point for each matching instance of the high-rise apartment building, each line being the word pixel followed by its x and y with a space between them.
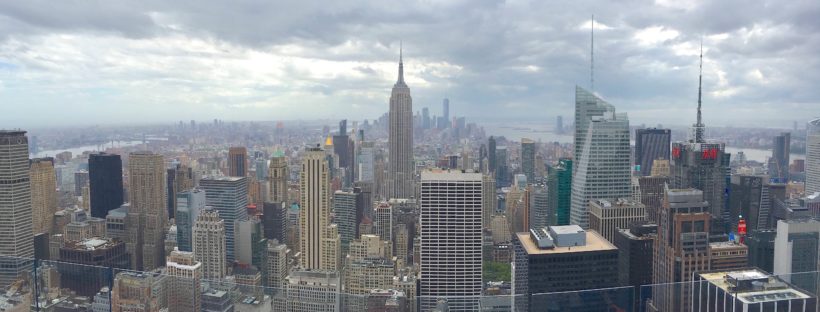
pixel 813 156
pixel 15 205
pixel 603 170
pixel 105 183
pixel 401 171
pixel 278 179
pixel 779 163
pixel 238 161
pixel 314 213
pixel 147 215
pixel 228 196
pixel 43 194
pixel 189 204
pixel 185 275
pixel 682 247
pixel 528 159
pixel 607 216
pixel 209 245
pixel 651 144
pixel 451 238
pixel 559 186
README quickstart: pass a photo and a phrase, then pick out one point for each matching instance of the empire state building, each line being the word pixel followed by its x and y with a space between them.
pixel 400 170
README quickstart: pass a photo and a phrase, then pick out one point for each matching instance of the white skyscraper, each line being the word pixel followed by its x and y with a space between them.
pixel 603 169
pixel 400 169
pixel 450 219
pixel 209 244
pixel 15 205
pixel 587 105
pixel 813 156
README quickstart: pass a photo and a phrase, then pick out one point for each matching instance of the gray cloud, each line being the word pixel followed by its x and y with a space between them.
pixel 508 59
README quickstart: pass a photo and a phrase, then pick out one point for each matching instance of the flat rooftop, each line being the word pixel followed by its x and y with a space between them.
pixel 595 242
pixel 449 175
pixel 222 178
pixel 773 290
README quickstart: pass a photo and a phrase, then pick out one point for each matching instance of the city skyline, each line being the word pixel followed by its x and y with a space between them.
pixel 342 66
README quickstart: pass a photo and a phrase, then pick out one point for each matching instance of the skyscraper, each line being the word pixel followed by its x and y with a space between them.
pixel 682 246
pixel 189 204
pixel 209 244
pixel 587 105
pixel 607 216
pixel 275 221
pixel 43 194
pixel 491 158
pixel 451 239
pixel 278 179
pixel 314 213
pixel 344 147
pixel 238 161
pixel 603 170
pixel 700 165
pixel 277 265
pixel 489 201
pixel 185 275
pixel 229 196
pixel 147 215
pixel 750 199
pixel 347 218
pixel 813 156
pixel 401 171
pixel 365 159
pixel 779 163
pixel 559 186
pixel 15 205
pixel 445 112
pixel 651 144
pixel 528 159
pixel 105 183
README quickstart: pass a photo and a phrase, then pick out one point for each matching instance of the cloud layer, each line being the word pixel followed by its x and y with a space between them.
pixel 103 62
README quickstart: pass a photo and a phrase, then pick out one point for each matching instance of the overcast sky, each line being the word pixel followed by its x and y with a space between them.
pixel 104 62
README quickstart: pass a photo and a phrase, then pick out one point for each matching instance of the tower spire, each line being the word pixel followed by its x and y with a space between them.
pixel 592 55
pixel 700 128
pixel 401 64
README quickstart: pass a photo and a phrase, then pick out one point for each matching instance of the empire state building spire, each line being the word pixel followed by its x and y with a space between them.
pixel 400 81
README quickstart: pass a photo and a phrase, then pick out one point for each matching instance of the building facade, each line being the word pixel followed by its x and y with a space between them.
pixel 228 196
pixel 607 216
pixel 451 238
pixel 147 215
pixel 209 244
pixel 15 205
pixel 651 144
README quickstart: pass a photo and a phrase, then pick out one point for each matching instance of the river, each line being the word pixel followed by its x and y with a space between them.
pixel 90 148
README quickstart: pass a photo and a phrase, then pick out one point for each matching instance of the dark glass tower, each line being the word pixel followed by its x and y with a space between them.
pixel 105 183
pixel 559 186
pixel 651 144
pixel 779 163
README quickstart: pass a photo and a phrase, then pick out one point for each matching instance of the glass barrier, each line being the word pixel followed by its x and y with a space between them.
pixel 44 285
pixel 609 299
